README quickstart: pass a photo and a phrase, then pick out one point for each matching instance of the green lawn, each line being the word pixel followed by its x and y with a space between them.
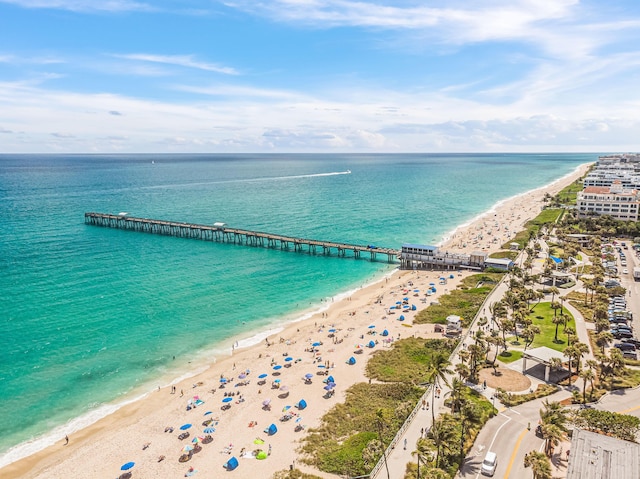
pixel 542 317
pixel 510 356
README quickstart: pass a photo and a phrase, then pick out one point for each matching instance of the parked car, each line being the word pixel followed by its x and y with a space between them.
pixel 619 334
pixel 630 355
pixel 634 341
pixel 625 346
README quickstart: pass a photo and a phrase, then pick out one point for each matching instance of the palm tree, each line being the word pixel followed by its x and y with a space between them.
pixel 457 389
pixel 382 422
pixel 442 435
pixel 603 338
pixel 586 374
pixel 469 413
pixel 438 371
pixel 557 320
pixel 539 463
pixel 463 371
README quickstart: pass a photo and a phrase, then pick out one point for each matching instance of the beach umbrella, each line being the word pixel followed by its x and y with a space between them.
pixel 286 408
pixel 398 302
pixel 371 344
pixel 242 375
pixel 432 284
pixel 413 307
pixel 288 358
pixel 277 366
pixel 299 419
pixel 223 380
pixel 127 466
pixel 332 330
pixel 266 402
pixel 405 299
pixel 392 307
pixel 308 375
pixel 372 326
pixel 197 439
pixel 227 399
pixel 209 430
pixel 316 344
pixel 321 366
pixel 351 361
pixel 207 413
pixel 416 290
pixel 330 379
pixel 262 376
pixel 328 387
pixel 184 427
pixel 277 381
pixel 451 276
pixel 187 448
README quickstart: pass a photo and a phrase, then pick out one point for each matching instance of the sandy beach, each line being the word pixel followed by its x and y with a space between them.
pixel 147 431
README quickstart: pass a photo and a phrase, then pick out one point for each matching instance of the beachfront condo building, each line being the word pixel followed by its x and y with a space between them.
pixel 615 201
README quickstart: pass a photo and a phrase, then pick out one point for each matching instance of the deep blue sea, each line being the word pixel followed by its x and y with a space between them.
pixel 91 317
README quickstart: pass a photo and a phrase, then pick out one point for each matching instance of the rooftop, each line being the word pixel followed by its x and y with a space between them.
pixel 596 456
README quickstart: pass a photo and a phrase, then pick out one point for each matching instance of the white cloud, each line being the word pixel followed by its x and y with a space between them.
pixel 85 6
pixel 399 122
pixel 186 61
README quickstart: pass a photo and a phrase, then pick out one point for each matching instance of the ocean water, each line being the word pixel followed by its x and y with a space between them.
pixel 91 317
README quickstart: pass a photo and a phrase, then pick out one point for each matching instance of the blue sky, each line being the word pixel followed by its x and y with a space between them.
pixel 319 76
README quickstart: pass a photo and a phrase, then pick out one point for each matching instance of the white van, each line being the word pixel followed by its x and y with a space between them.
pixel 489 464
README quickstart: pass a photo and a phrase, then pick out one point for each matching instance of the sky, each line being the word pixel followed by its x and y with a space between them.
pixel 233 76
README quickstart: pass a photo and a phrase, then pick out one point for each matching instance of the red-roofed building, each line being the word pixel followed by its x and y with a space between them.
pixel 614 201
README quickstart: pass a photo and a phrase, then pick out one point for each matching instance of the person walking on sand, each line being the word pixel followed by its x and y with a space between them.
pixel 66 440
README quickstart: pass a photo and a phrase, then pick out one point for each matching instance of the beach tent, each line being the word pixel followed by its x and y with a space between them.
pixel 371 344
pixel 302 404
pixel 413 307
pixel 351 361
pixel 330 379
pixel 231 464
pixel 401 318
pixel 261 455
pixel 272 430
pixel 385 333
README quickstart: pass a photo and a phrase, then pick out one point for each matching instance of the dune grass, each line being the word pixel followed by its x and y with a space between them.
pixel 464 301
pixel 408 360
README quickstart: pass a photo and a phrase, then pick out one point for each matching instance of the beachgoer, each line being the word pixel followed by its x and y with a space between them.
pixel 405 443
pixel 181 393
pixel 66 441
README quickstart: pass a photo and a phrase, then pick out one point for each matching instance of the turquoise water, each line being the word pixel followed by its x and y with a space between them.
pixel 91 315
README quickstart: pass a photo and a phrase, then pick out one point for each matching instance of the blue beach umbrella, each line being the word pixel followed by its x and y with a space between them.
pixel 330 379
pixel 127 466
pixel 308 375
pixel 207 413
pixel 262 376
pixel 277 366
pixel 316 344
pixel 372 326
pixel 329 387
pixel 184 427
pixel 209 430
pixel 223 380
pixel 288 358
pixel 332 330
pixel 227 399
pixel 321 366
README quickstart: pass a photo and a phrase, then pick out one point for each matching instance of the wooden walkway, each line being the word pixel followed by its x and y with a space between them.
pixel 224 234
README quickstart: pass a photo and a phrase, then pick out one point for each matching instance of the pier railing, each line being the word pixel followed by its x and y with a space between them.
pixel 224 234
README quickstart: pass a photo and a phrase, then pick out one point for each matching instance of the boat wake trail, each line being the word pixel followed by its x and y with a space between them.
pixel 249 180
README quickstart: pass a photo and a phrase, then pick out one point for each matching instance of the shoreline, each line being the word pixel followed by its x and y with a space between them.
pixel 215 360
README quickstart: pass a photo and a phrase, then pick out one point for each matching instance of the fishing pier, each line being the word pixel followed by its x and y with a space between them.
pixel 221 233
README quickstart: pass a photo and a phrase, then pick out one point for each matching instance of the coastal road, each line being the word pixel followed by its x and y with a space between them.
pixel 508 436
